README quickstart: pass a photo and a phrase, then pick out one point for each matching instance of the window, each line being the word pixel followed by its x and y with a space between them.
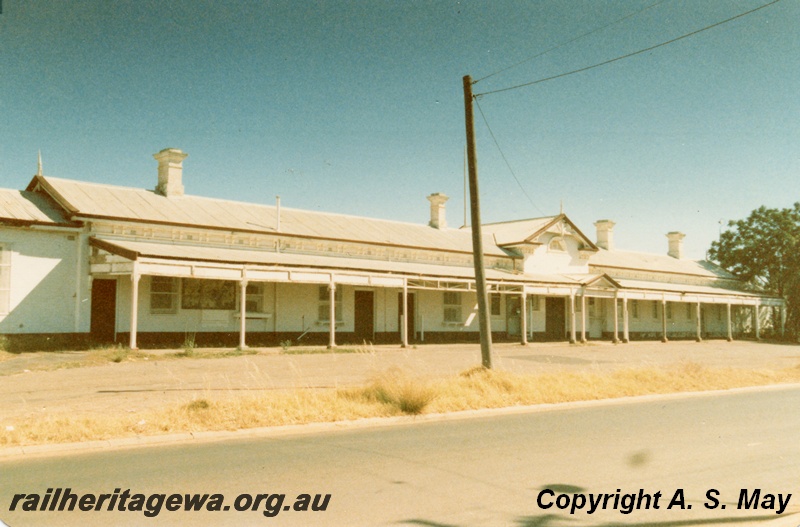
pixel 655 309
pixel 669 310
pixel 592 309
pixel 634 308
pixel 5 279
pixel 254 298
pixel 452 306
pixel 495 301
pixel 324 311
pixel 208 294
pixel 557 244
pixel 689 311
pixel 163 295
pixel 535 303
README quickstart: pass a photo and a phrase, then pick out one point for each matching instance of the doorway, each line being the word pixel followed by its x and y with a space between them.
pixel 513 316
pixel 365 316
pixel 555 318
pixel 103 323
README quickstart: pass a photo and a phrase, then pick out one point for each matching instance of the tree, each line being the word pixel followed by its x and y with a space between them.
pixel 764 251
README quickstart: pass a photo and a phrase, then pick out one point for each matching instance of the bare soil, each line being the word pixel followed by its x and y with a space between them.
pixel 47 384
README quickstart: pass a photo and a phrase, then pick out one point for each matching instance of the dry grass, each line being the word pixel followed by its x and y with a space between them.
pixel 396 390
pixel 117 354
pixel 393 393
pixel 5 355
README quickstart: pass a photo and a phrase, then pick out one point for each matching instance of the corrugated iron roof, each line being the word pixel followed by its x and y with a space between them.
pixel 686 288
pixel 515 232
pixel 521 231
pixel 656 263
pixel 136 249
pixel 93 200
pixel 26 208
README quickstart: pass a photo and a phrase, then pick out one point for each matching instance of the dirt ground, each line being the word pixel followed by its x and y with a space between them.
pixel 32 384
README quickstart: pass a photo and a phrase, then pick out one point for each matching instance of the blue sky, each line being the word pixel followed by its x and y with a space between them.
pixel 357 106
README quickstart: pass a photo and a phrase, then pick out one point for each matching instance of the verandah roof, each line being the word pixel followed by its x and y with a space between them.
pixel 189 254
pixel 251 259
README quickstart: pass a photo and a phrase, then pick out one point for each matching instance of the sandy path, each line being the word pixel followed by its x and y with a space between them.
pixel 137 386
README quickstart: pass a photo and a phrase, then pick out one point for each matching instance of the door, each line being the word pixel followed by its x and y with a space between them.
pixel 597 316
pixel 513 314
pixel 365 316
pixel 555 318
pixel 410 321
pixel 104 310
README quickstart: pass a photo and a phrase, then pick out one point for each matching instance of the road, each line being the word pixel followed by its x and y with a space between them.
pixel 469 472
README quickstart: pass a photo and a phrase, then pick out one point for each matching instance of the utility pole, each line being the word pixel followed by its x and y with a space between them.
pixel 477 241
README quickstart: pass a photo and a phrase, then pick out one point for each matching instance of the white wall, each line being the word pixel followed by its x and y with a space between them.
pixel 49 289
pixel 544 260
pixel 292 308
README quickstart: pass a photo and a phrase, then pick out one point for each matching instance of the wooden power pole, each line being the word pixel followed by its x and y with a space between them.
pixel 477 240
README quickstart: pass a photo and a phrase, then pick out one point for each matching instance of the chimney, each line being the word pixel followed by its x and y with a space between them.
pixel 170 171
pixel 438 216
pixel 605 234
pixel 676 244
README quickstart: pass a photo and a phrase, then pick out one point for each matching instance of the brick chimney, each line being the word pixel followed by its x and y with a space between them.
pixel 438 216
pixel 676 244
pixel 605 234
pixel 170 172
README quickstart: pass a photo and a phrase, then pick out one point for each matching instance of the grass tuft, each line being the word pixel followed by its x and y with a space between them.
pixel 197 405
pixel 396 390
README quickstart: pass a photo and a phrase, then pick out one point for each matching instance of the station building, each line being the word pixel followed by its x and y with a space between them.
pixel 85 263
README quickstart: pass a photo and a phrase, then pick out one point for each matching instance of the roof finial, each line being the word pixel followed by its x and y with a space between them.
pixel 39 169
pixel 562 207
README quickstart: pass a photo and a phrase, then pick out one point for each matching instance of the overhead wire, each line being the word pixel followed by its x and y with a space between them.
pixel 497 144
pixel 628 55
pixel 568 42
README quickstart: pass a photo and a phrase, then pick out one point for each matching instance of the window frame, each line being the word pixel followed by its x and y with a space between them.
pixel 324 306
pixel 557 244
pixel 251 295
pixel 174 294
pixel 451 307
pixel 495 304
pixel 535 303
pixel 210 294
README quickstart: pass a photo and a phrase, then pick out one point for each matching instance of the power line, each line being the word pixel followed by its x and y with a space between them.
pixel 568 42
pixel 629 54
pixel 505 159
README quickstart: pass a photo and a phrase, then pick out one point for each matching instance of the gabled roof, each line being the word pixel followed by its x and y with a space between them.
pixel 19 207
pixel 657 263
pixel 519 232
pixel 93 200
pixel 595 280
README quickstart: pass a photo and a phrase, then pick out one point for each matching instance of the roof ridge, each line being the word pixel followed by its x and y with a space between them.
pixel 251 204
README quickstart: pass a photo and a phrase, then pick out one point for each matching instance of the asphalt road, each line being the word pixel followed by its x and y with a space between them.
pixel 469 472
